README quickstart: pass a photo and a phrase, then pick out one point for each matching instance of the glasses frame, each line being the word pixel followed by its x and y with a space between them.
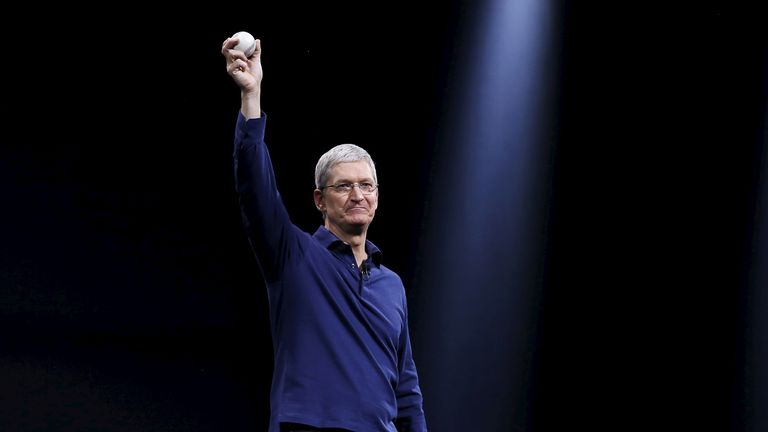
pixel 336 189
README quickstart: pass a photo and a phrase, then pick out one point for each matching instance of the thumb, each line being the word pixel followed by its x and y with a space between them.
pixel 257 51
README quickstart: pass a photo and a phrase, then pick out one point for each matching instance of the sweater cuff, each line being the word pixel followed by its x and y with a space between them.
pixel 249 131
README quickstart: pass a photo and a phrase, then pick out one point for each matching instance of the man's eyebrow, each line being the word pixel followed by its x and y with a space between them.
pixel 347 180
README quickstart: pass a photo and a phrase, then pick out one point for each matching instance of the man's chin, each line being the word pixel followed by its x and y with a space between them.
pixel 358 225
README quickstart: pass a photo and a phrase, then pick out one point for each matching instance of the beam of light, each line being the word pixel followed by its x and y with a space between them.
pixel 481 269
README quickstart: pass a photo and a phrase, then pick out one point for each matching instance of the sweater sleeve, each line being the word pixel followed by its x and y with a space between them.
pixel 264 215
pixel 410 412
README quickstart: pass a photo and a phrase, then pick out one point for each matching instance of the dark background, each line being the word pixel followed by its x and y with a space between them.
pixel 129 299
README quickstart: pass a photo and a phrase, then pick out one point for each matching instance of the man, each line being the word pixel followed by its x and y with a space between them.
pixel 339 317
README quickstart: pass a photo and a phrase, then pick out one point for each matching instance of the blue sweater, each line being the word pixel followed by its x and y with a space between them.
pixel 342 351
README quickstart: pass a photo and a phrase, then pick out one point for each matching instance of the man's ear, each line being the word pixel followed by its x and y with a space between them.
pixel 319 200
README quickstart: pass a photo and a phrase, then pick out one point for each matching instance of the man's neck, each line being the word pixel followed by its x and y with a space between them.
pixel 355 240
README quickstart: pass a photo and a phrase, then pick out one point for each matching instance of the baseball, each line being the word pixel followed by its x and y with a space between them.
pixel 246 43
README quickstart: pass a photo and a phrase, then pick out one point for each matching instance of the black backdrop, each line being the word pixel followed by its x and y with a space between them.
pixel 130 299
pixel 128 296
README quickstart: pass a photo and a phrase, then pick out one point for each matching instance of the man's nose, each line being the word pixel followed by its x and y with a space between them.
pixel 356 194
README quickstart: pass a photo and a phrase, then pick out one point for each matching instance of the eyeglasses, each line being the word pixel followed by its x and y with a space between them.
pixel 345 188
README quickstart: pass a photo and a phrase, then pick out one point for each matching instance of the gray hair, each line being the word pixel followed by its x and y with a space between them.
pixel 338 154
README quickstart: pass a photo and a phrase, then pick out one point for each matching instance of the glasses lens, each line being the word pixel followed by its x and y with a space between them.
pixel 365 188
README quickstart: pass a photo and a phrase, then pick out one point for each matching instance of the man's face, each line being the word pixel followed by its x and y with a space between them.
pixel 349 212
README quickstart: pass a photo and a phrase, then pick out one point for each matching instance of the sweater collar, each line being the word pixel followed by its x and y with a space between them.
pixel 330 241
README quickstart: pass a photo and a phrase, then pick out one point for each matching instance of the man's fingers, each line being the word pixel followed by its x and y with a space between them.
pixel 238 64
pixel 233 54
pixel 230 42
pixel 228 51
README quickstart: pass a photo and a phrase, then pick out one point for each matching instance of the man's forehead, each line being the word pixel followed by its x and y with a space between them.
pixel 351 169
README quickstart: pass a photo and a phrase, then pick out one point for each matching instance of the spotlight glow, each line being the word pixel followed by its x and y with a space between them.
pixel 482 270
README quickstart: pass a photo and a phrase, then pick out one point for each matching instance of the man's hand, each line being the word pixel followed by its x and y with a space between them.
pixel 246 71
